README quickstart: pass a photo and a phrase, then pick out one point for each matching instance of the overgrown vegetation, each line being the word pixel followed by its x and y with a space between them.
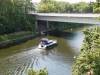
pixel 13 36
pixel 13 16
pixel 96 7
pixel 48 6
pixel 38 72
pixel 89 59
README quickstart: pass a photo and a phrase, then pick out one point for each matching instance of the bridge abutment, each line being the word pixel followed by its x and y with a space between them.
pixel 42 26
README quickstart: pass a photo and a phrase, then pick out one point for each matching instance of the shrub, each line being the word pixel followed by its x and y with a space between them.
pixel 38 72
pixel 97 10
pixel 89 58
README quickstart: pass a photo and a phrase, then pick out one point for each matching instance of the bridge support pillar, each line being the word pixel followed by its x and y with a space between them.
pixel 42 26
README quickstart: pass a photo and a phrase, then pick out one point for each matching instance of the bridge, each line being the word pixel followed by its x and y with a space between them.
pixel 43 18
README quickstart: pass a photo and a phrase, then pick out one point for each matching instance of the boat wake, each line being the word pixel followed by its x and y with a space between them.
pixel 20 62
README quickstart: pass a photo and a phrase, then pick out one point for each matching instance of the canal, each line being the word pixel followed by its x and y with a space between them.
pixel 18 59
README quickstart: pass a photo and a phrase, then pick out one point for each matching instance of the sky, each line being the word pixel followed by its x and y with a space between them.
pixel 70 1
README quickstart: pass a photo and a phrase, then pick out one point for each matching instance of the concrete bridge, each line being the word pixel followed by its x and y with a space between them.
pixel 43 18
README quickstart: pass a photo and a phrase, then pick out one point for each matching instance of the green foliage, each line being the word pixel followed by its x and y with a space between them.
pixel 89 58
pixel 38 72
pixel 13 16
pixel 14 35
pixel 47 6
pixel 97 10
pixel 82 7
pixel 96 7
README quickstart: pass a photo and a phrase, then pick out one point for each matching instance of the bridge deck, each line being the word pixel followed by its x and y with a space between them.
pixel 67 14
pixel 69 17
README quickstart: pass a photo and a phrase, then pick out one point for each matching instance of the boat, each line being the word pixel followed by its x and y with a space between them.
pixel 46 43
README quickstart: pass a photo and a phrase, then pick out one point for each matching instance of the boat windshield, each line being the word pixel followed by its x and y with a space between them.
pixel 44 42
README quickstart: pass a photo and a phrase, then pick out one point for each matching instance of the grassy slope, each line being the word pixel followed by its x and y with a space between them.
pixel 16 35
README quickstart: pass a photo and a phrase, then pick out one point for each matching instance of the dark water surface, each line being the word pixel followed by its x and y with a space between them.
pixel 17 59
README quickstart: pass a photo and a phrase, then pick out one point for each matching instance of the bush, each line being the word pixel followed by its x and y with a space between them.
pixel 89 58
pixel 97 10
pixel 38 72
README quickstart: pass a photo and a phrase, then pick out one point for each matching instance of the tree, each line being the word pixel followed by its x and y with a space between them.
pixel 47 6
pixel 98 2
pixel 97 10
pixel 13 15
pixel 81 7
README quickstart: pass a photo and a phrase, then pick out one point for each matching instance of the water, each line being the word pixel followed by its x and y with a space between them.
pixel 18 59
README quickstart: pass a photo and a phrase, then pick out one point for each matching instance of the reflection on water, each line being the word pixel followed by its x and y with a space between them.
pixel 17 59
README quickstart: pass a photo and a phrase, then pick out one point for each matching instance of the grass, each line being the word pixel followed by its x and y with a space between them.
pixel 12 36
pixel 38 72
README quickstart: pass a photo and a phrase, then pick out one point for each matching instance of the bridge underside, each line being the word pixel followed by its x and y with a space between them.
pixel 42 26
pixel 46 26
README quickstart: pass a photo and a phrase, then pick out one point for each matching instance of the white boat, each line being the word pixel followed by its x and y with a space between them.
pixel 46 43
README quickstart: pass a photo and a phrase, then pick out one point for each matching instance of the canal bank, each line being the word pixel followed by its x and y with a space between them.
pixel 8 40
